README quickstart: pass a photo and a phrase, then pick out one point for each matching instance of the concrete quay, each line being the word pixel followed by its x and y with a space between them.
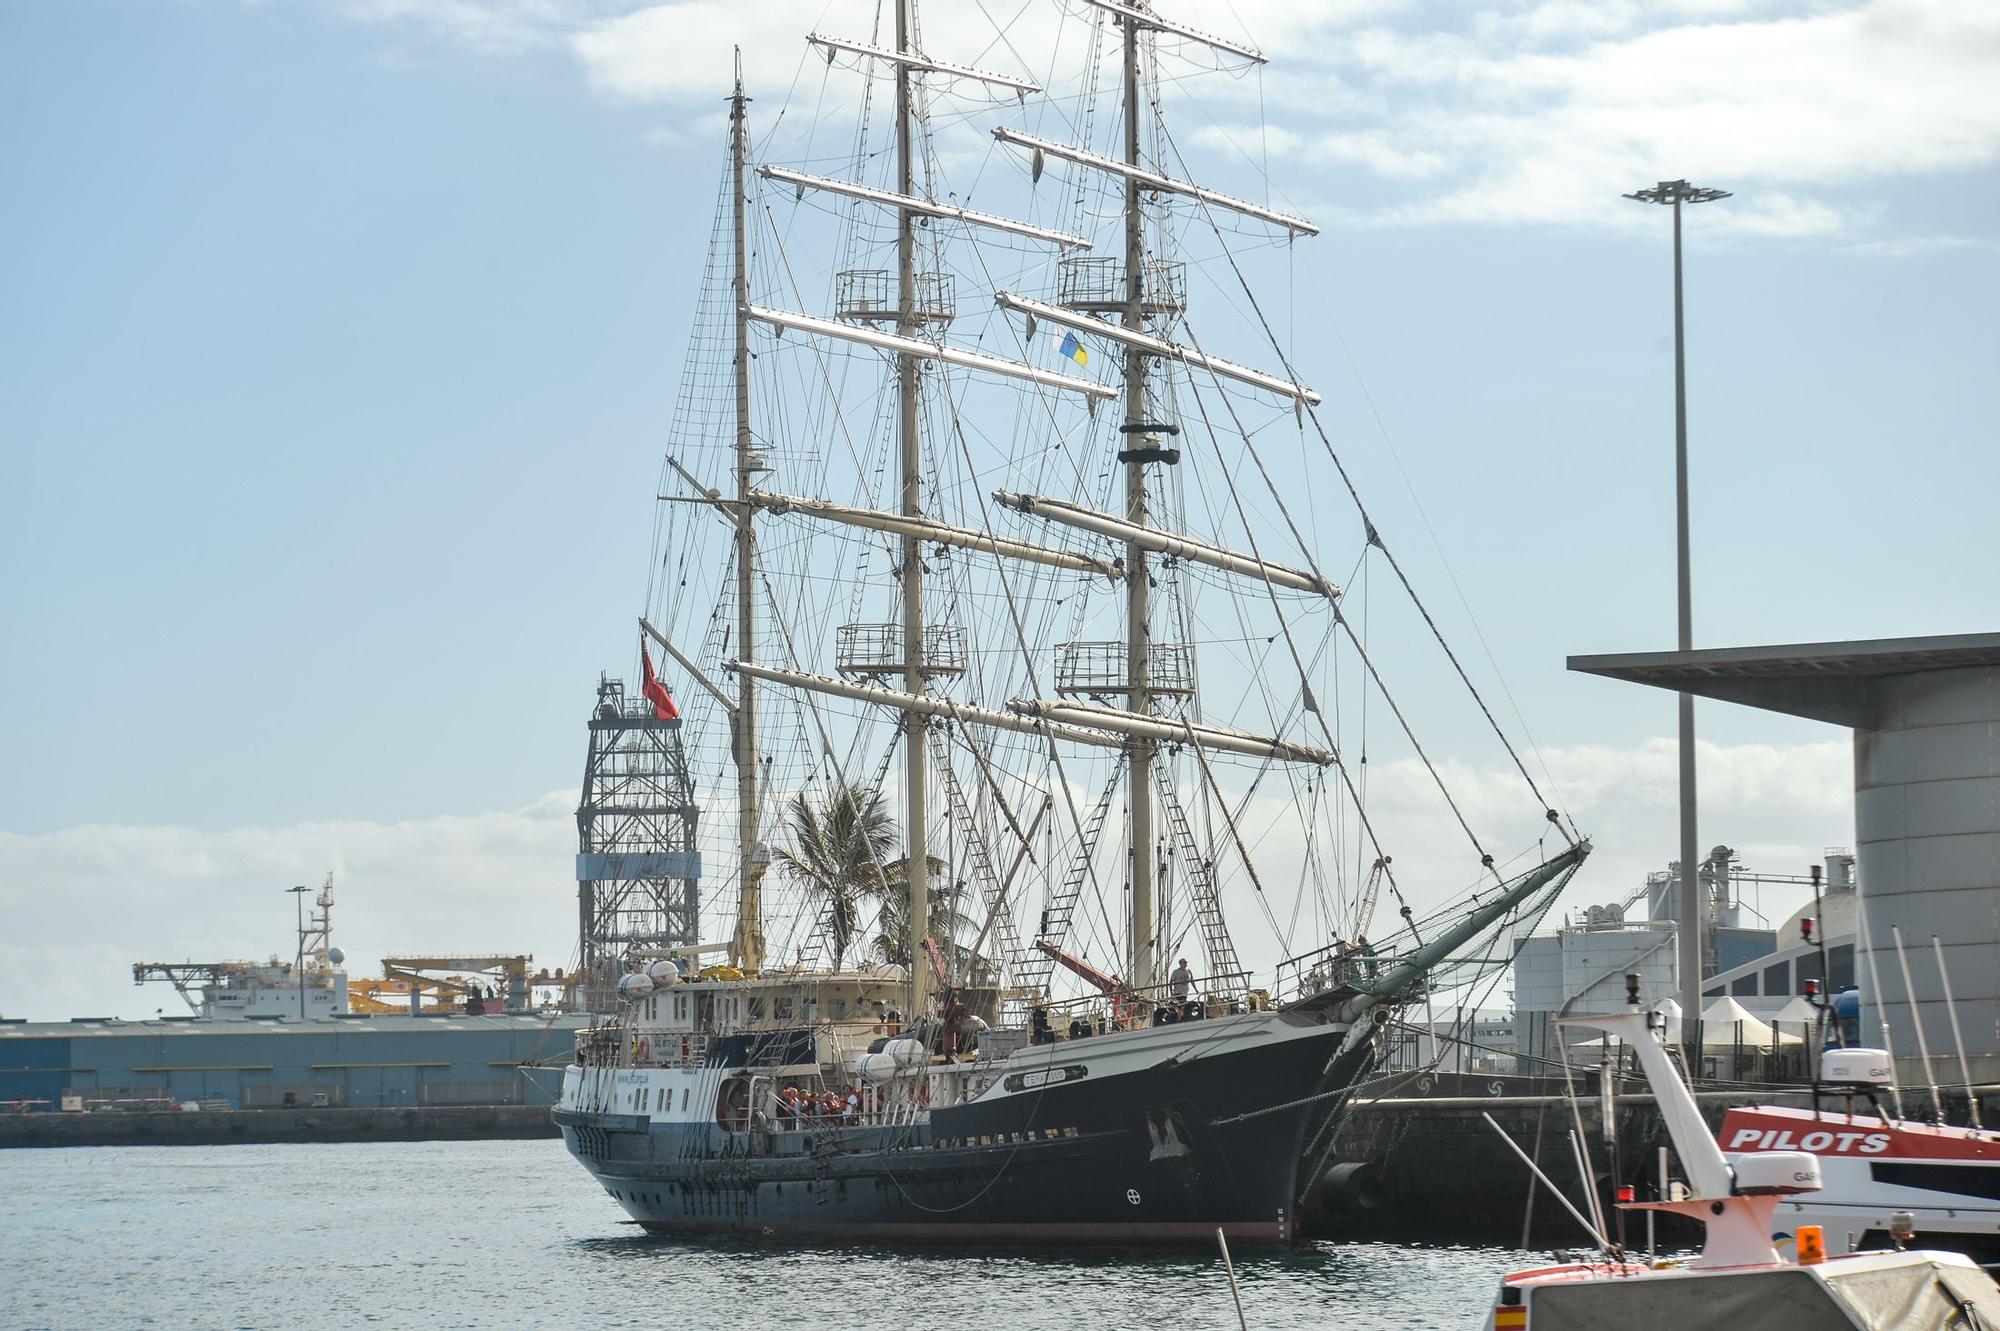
pixel 1429 1167
pixel 242 1126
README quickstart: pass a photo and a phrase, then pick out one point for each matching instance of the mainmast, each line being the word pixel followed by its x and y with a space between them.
pixel 1137 433
pixel 916 863
pixel 747 947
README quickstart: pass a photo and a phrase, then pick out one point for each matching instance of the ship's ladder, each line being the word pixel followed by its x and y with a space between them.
pixel 824 1148
pixel 1032 966
pixel 1216 944
pixel 991 889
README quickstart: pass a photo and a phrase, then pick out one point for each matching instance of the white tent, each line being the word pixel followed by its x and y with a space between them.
pixel 1726 1022
pixel 1669 1012
pixel 1799 1010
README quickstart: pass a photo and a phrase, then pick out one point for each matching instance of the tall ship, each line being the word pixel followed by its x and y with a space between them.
pixel 1003 671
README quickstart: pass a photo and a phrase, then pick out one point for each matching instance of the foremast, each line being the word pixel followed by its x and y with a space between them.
pixel 747 945
pixel 916 793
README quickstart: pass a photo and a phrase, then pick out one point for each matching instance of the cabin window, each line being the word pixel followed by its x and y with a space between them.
pixel 781 1008
pixel 839 1008
pixel 1744 985
pixel 1968 1180
pixel 756 1009
pixel 1840 964
pixel 1778 979
pixel 680 1007
pixel 684 1099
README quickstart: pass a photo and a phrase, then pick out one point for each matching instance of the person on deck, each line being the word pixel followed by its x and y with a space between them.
pixel 1181 982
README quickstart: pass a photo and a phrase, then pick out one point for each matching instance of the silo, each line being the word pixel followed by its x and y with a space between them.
pixel 1926 719
pixel 1927 826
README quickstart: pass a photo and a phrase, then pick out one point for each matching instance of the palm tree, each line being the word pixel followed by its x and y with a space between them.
pixel 840 853
pixel 892 941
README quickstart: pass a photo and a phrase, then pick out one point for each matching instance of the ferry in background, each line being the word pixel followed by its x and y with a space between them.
pixel 1873 1166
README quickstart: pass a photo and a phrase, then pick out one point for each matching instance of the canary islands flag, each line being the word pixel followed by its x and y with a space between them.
pixel 1073 349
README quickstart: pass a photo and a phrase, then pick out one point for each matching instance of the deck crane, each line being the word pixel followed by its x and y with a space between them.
pixel 500 980
pixel 1123 1000
pixel 1371 891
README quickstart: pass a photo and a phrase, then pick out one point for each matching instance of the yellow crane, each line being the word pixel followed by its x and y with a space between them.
pixel 485 984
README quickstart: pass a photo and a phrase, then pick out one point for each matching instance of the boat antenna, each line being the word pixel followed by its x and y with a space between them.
pixel 1229 1267
pixel 1951 1007
pixel 1867 947
pixel 1917 1022
pixel 1547 1182
pixel 1821 1003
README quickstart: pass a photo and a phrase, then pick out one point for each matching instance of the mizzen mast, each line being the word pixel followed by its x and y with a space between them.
pixel 1142 442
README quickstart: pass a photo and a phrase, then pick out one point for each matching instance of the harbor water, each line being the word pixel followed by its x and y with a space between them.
pixel 511 1234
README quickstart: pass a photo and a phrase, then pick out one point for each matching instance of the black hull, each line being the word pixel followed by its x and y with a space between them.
pixel 1163 1154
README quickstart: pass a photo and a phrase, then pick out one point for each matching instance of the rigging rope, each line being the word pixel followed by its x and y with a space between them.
pixel 1374 534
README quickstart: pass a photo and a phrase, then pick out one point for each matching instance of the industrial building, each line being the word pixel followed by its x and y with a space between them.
pixel 1582 965
pixel 340 1062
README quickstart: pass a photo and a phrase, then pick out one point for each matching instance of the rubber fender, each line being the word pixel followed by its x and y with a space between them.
pixel 1352 1189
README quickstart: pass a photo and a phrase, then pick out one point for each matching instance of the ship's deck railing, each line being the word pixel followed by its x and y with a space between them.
pixel 1097 285
pixel 1334 966
pixel 876 650
pixel 868 295
pixel 1095 669
pixel 1218 995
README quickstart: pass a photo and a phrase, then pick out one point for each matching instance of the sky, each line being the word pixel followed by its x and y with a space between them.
pixel 340 338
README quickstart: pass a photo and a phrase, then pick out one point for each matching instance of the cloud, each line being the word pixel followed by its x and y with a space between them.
pixel 84 903
pixel 1506 113
pixel 489 27
pixel 1780 806
pixel 1545 114
pixel 1902 247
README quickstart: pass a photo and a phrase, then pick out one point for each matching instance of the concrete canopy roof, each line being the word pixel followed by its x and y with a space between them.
pixel 1822 681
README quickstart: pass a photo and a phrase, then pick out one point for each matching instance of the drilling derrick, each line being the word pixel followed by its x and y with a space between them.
pixel 638 873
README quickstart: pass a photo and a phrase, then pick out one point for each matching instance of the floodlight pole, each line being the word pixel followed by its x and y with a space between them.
pixel 1693 905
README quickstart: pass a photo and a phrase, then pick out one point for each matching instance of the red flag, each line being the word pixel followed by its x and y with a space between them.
pixel 656 692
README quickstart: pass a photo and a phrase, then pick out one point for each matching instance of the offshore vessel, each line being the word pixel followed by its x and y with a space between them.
pixel 298 1033
pixel 940 1084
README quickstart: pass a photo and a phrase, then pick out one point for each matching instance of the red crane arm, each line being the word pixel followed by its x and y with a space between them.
pixel 1109 984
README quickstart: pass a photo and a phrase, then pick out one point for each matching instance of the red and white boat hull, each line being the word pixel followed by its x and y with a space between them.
pixel 1947 1178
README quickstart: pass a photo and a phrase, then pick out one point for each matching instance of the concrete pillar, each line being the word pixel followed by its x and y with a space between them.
pixel 1927 823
